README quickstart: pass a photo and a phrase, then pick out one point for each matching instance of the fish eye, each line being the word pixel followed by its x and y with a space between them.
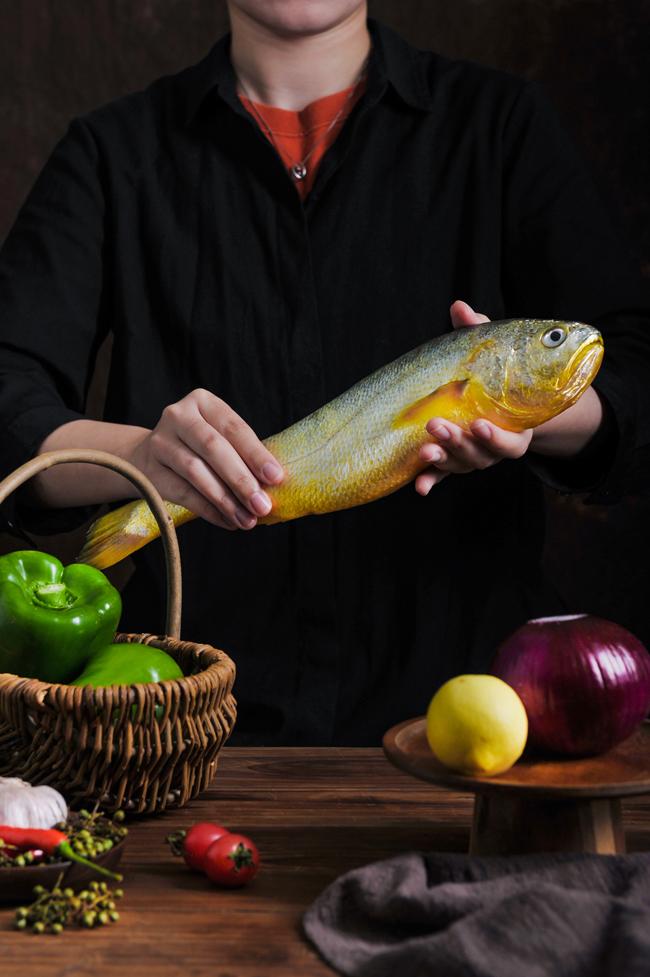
pixel 554 337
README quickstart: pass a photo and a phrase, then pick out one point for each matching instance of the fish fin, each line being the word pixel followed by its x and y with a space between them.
pixel 446 401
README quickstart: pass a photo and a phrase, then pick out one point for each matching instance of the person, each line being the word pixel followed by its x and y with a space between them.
pixel 259 232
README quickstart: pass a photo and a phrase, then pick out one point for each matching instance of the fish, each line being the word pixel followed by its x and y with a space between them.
pixel 365 444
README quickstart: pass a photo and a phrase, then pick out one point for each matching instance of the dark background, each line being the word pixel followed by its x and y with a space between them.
pixel 60 58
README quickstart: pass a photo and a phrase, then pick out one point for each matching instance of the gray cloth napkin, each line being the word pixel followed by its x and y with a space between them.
pixel 459 916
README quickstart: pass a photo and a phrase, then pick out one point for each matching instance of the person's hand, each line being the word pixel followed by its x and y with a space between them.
pixel 203 456
pixel 458 451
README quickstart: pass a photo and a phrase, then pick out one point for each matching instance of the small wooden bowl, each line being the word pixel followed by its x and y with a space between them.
pixel 17 884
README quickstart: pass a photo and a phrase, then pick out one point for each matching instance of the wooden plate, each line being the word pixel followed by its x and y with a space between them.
pixel 16 884
pixel 622 771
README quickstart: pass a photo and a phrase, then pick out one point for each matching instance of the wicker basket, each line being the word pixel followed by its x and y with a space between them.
pixel 144 747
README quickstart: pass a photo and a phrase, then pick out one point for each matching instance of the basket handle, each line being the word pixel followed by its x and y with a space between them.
pixel 153 498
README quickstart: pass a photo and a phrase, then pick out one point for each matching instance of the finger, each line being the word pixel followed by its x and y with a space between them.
pixel 432 454
pixel 237 432
pixel 202 478
pixel 463 315
pixel 427 479
pixel 464 452
pixel 176 489
pixel 501 443
pixel 209 446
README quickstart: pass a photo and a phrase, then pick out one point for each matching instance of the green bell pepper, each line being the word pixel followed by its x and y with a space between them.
pixel 53 618
pixel 127 664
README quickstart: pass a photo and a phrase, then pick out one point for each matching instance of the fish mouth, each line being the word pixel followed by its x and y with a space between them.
pixel 582 367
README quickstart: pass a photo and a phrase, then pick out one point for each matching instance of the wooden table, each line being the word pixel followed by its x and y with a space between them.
pixel 314 813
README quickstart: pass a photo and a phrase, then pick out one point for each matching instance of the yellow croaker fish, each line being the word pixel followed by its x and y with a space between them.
pixel 365 443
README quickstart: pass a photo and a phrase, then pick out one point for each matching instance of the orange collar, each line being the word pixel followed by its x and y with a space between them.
pixel 304 135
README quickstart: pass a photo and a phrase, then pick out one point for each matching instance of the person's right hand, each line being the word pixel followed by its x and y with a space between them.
pixel 203 456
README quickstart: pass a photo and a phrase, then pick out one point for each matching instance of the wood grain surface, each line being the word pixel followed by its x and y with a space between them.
pixel 314 814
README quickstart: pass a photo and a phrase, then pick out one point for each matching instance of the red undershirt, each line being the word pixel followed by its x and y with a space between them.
pixel 294 134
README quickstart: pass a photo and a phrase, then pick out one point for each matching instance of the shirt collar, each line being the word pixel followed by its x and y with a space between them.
pixel 401 65
pixel 393 62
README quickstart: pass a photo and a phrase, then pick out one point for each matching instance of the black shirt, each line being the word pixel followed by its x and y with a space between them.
pixel 167 218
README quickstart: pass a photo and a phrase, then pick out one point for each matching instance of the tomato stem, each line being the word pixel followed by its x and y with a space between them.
pixel 242 857
pixel 175 841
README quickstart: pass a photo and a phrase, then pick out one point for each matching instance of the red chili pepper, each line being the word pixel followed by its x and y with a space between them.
pixel 50 841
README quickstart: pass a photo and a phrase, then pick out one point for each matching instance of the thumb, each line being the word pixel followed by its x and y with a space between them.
pixel 463 314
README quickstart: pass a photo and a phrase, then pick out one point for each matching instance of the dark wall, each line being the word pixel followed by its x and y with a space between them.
pixel 59 58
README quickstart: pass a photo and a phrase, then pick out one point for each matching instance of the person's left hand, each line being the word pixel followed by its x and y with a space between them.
pixel 456 451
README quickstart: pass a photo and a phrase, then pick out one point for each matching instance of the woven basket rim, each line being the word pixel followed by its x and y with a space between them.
pixel 38 690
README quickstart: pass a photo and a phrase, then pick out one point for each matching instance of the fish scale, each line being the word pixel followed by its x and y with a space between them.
pixel 354 453
pixel 365 443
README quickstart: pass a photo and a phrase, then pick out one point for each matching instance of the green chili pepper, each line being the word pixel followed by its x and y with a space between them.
pixel 127 664
pixel 53 618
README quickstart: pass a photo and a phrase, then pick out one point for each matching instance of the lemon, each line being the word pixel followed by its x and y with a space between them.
pixel 477 724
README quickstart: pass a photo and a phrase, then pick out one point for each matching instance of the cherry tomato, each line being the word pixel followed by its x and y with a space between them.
pixel 231 861
pixel 197 841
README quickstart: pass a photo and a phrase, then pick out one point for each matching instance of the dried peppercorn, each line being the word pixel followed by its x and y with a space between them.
pixel 57 908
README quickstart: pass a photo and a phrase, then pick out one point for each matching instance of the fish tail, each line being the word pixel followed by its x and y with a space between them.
pixel 113 537
pixel 119 533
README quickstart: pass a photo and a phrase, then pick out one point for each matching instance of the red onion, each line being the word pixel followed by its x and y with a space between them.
pixel 585 682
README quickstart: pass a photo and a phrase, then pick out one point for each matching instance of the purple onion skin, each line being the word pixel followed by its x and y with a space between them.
pixel 584 682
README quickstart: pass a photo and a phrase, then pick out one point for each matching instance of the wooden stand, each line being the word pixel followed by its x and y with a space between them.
pixel 558 805
pixel 505 825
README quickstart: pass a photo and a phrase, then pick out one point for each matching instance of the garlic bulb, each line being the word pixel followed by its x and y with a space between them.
pixel 24 806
